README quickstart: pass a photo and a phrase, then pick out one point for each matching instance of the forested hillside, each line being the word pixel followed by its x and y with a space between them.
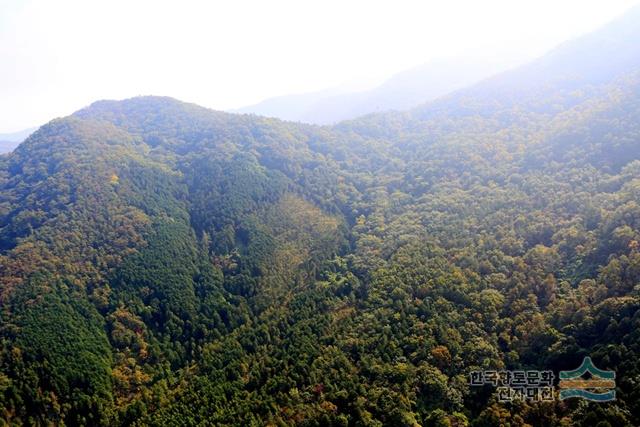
pixel 164 264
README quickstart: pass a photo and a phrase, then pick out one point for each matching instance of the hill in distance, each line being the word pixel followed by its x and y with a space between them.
pixel 9 141
pixel 166 264
pixel 402 91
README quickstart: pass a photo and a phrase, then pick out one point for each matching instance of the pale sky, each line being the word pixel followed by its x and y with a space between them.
pixel 59 56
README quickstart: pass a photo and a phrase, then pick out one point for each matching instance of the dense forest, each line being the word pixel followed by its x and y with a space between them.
pixel 164 264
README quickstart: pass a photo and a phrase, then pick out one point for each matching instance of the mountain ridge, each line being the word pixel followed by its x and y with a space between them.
pixel 402 91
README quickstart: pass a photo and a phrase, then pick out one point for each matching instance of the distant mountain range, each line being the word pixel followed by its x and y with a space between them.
pixel 9 141
pixel 590 57
pixel 402 91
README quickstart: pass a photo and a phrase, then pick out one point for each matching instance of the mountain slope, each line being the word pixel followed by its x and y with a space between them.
pixel 165 264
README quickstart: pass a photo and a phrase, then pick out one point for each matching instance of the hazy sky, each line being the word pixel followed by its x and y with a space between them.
pixel 58 56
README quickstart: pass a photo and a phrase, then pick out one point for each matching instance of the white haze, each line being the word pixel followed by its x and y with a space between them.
pixel 58 56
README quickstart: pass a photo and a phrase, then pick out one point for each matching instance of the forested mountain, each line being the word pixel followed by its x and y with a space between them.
pixel 165 264
pixel 402 91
